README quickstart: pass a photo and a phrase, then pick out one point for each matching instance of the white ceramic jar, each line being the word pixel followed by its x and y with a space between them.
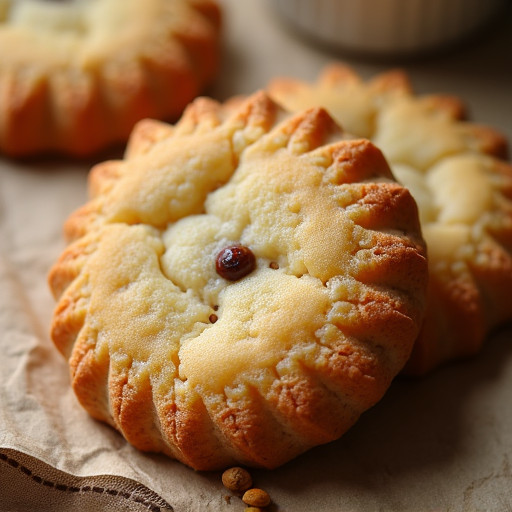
pixel 388 27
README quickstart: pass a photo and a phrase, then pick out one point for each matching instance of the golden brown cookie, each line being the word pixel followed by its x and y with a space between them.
pixel 456 172
pixel 76 76
pixel 241 287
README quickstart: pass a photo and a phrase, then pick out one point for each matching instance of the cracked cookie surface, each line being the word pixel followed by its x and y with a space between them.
pixel 257 369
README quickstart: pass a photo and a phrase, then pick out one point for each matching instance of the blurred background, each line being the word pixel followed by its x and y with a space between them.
pixel 263 40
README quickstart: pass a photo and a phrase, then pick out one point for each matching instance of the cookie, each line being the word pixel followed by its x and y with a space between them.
pixel 76 76
pixel 241 286
pixel 456 171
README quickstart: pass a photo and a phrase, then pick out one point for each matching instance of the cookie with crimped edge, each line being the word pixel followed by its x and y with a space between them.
pixel 76 76
pixel 456 171
pixel 216 367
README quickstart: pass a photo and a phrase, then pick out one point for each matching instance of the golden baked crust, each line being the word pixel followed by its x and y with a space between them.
pixel 76 76
pixel 457 174
pixel 257 370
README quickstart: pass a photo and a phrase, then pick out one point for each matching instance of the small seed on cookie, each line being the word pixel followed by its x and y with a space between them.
pixel 213 318
pixel 256 498
pixel 235 262
pixel 236 479
pixel 274 265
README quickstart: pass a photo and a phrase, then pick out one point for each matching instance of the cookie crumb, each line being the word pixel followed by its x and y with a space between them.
pixel 256 498
pixel 236 479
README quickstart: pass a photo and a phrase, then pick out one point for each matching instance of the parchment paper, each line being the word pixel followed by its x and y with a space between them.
pixel 436 444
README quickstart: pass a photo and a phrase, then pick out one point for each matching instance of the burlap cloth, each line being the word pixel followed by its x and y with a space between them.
pixel 440 443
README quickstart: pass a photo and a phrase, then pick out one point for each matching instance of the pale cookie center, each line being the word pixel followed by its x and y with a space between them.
pixel 47 16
